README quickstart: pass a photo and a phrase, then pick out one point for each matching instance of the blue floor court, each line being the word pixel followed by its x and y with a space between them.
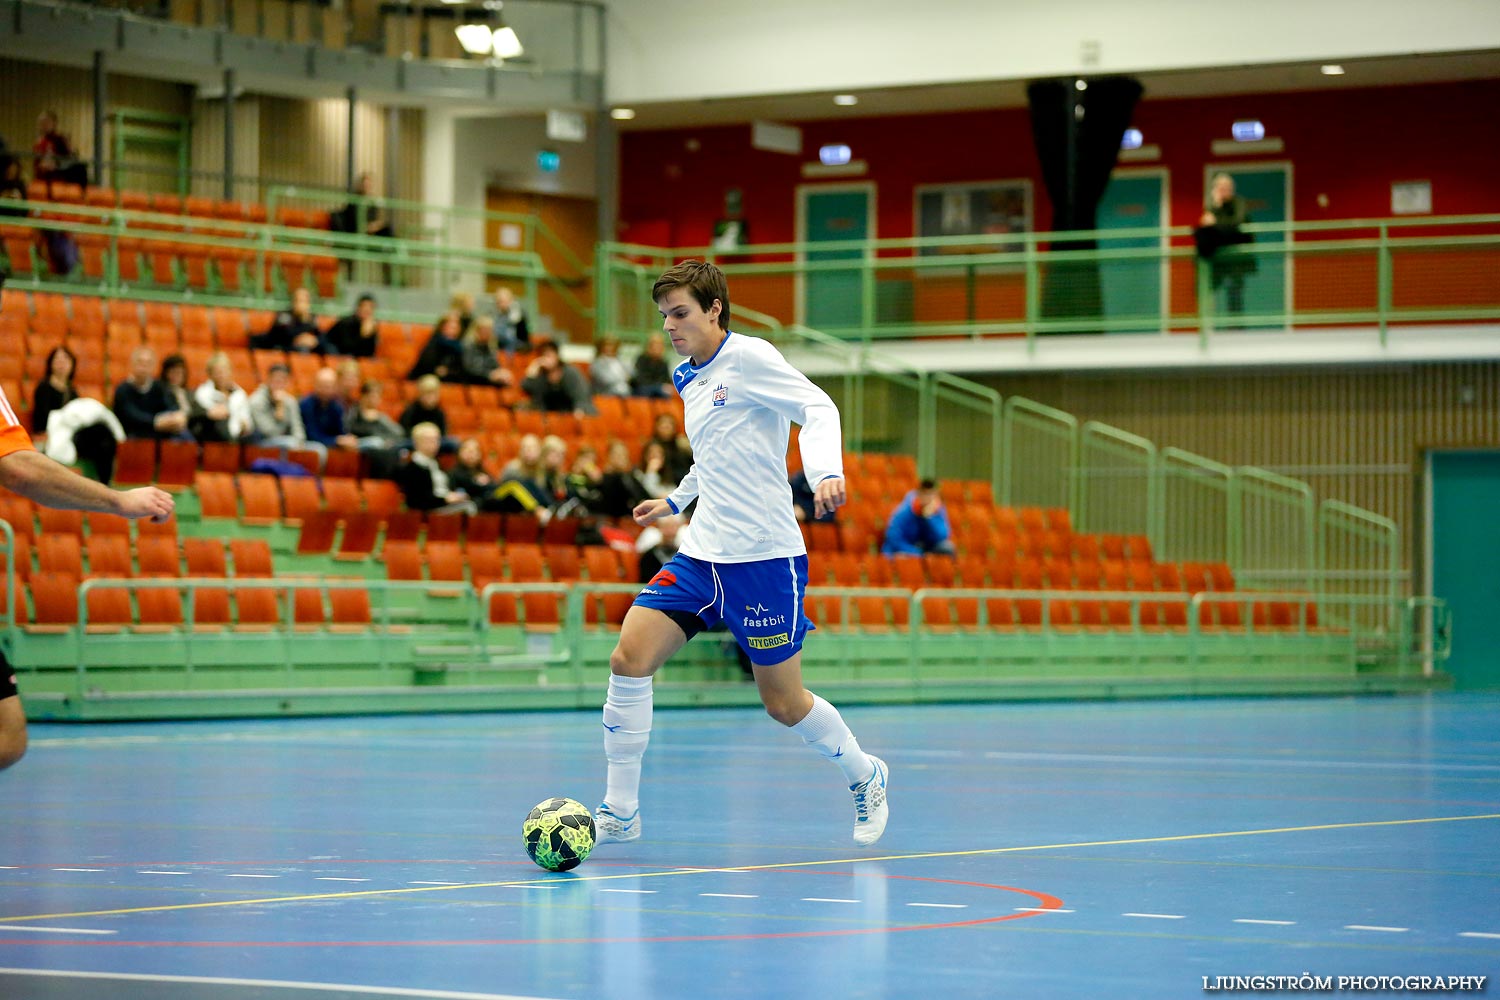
pixel 1043 850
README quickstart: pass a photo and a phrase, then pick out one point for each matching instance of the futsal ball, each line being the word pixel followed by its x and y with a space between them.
pixel 559 834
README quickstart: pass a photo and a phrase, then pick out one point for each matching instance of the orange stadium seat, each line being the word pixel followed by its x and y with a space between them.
pixel 54 601
pixel 350 607
pixel 158 555
pixel 109 555
pixel 210 608
pixel 358 539
pixel 252 557
pixel 256 608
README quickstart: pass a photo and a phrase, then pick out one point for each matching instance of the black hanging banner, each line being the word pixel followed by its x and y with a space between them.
pixel 1077 126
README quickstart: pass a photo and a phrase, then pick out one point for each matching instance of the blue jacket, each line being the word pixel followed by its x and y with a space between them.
pixel 323 422
pixel 909 533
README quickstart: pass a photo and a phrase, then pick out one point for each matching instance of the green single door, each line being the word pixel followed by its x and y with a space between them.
pixel 1265 293
pixel 832 299
pixel 1132 288
pixel 1465 498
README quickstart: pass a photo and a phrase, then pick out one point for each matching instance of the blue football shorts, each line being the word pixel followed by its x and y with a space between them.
pixel 760 602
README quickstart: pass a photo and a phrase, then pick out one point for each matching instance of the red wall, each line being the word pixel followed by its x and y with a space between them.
pixel 1347 144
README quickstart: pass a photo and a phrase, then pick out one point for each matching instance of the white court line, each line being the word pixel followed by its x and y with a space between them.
pixel 78 869
pixel 1156 916
pixel 1039 909
pixel 163 873
pixel 729 895
pixel 526 886
pixel 8 867
pixel 335 878
pixel 1367 927
pixel 53 930
pixel 1268 923
pixel 1479 934
pixel 943 906
pixel 633 892
pixel 820 899
pixel 380 991
pixel 243 875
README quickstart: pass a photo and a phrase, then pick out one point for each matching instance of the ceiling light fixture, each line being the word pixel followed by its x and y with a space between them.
pixel 485 33
pixel 1332 69
pixel 622 114
pixel 845 100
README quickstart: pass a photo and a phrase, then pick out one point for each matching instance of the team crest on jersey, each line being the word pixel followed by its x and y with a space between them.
pixel 721 394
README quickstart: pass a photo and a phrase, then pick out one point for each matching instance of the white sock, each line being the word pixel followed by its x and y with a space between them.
pixel 824 730
pixel 627 730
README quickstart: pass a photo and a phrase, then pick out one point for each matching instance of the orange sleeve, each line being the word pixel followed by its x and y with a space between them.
pixel 13 436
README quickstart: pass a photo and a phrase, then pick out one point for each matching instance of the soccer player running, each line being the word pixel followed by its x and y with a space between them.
pixel 25 471
pixel 744 563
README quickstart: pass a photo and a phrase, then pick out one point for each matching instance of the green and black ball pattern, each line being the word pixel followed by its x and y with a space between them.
pixel 559 834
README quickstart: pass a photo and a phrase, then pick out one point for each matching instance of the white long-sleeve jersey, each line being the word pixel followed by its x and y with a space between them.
pixel 739 407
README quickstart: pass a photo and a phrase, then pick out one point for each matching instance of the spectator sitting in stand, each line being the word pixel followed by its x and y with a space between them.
pixel 511 329
pixel 377 436
pixel 277 417
pixel 919 524
pixel 293 329
pixel 556 386
pixel 655 474
pixel 423 482
pixel 323 414
pixel 55 159
pixel 143 404
pixel 12 187
pixel 427 408
pixel 674 444
pixel 468 473
pixel 357 334
pixel 443 354
pixel 174 377
pixel 609 375
pixel 653 373
pixel 522 486
pixel 351 383
pixel 479 361
pixel 226 407
pixel 93 437
pixel 585 476
pixel 620 487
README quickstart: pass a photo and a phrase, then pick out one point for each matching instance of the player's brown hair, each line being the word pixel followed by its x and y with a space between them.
pixel 705 281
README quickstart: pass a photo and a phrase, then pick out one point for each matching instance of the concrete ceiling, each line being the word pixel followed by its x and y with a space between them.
pixel 982 94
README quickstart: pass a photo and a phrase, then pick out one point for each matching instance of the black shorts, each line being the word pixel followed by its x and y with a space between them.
pixel 7 678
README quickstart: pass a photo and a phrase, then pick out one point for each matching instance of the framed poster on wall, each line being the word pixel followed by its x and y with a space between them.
pixel 974 208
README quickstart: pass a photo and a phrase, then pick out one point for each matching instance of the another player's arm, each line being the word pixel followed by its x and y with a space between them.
pixel 44 481
pixel 774 383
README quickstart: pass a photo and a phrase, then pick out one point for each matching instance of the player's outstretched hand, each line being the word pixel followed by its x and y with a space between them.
pixel 148 501
pixel 651 510
pixel 830 495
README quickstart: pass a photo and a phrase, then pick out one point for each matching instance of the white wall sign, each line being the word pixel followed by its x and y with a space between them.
pixel 776 137
pixel 567 126
pixel 1411 197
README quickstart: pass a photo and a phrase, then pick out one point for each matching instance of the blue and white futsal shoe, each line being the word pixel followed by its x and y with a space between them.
pixel 870 812
pixel 608 826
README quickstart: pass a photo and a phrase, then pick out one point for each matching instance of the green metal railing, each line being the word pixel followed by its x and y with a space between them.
pixel 434 265
pixel 1374 272
pixel 1414 633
